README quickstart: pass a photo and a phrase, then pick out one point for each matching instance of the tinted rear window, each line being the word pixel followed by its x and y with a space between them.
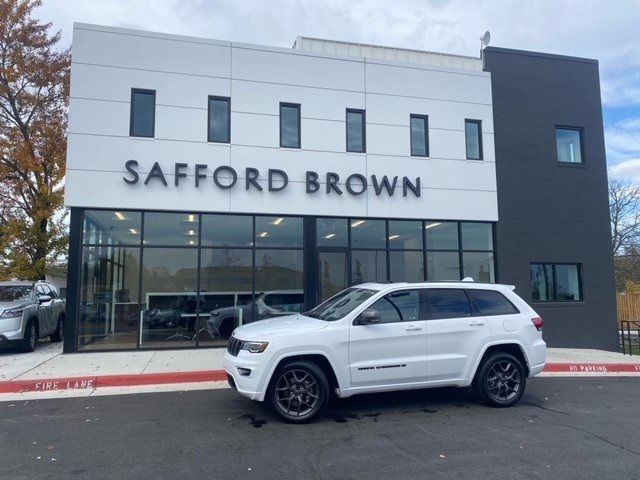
pixel 447 303
pixel 490 302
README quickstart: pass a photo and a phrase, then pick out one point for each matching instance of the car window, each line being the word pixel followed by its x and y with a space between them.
pixel 14 293
pixel 447 303
pixel 490 302
pixel 399 306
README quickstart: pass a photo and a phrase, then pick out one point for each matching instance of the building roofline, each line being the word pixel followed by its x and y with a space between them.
pixel 550 56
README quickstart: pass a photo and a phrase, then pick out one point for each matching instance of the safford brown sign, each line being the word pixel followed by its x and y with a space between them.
pixel 226 177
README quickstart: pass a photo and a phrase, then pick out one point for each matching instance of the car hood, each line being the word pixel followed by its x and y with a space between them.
pixel 288 324
pixel 12 305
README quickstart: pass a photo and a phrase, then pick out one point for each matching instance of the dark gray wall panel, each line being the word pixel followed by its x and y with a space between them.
pixel 550 212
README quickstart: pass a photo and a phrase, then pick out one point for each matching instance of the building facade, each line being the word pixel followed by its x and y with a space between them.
pixel 215 183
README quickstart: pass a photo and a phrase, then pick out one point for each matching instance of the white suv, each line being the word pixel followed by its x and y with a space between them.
pixel 381 337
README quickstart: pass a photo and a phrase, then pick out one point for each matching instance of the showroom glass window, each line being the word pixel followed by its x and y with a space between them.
pixel 556 282
pixel 569 143
pixel 290 125
pixel 473 139
pixel 219 116
pixel 143 113
pixel 356 131
pixel 419 133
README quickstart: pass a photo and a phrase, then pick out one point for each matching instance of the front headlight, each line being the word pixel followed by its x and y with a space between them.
pixel 11 313
pixel 255 347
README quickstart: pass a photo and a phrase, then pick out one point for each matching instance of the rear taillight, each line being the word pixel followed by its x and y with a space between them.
pixel 537 322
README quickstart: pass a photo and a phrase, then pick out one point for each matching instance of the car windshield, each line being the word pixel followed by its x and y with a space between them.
pixel 341 304
pixel 14 293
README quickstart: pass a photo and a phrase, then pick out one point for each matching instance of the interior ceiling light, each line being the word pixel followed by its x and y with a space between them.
pixel 331 235
pixel 357 223
pixel 191 218
pixel 278 221
pixel 264 234
pixel 119 215
pixel 133 231
pixel 393 237
pixel 190 233
pixel 432 225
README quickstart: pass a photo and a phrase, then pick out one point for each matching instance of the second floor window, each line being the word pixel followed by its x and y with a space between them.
pixel 473 139
pixel 569 144
pixel 143 113
pixel 356 139
pixel 219 120
pixel 419 135
pixel 556 282
pixel 290 125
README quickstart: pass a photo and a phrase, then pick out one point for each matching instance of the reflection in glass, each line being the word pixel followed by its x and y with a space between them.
pixel 569 145
pixel 368 233
pixel 473 139
pixel 111 227
pixel 479 266
pixel 332 269
pixel 442 235
pixel 355 131
pixel 290 126
pixel 171 229
pixel 542 282
pixel 143 105
pixel 278 232
pixel 169 297
pixel 406 235
pixel 477 236
pixel 332 232
pixel 443 266
pixel 108 298
pixel 419 136
pixel 368 266
pixel 279 283
pixel 406 266
pixel 227 231
pixel 219 114
pixel 567 283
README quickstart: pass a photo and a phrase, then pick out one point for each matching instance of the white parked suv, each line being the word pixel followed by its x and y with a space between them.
pixel 382 337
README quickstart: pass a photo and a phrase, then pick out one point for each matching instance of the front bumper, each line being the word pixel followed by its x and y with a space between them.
pixel 254 384
pixel 11 329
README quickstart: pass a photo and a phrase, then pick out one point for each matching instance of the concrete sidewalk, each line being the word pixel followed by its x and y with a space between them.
pixel 48 370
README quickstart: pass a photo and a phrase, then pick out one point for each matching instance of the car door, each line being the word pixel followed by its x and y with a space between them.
pixel 393 351
pixel 45 309
pixel 454 335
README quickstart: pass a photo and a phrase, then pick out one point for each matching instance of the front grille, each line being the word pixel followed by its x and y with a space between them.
pixel 234 346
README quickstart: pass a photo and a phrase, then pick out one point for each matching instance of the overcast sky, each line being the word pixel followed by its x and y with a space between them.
pixel 607 30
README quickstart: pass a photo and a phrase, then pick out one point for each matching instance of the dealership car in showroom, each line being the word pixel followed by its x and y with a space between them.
pixel 29 311
pixel 382 337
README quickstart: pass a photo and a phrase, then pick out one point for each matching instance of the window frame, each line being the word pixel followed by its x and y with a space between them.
pixel 480 150
pixel 218 98
pixel 580 131
pixel 364 129
pixel 299 109
pixel 555 284
pixel 145 91
pixel 426 134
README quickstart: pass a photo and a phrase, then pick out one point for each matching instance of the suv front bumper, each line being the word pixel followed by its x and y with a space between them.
pixel 11 329
pixel 247 371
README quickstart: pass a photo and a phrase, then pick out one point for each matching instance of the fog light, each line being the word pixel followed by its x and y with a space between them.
pixel 245 372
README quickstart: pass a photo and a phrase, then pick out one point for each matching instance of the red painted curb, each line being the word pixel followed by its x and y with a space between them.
pixel 85 382
pixel 80 383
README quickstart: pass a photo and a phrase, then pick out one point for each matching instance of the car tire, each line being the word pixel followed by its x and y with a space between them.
pixel 299 391
pixel 30 339
pixel 500 380
pixel 58 335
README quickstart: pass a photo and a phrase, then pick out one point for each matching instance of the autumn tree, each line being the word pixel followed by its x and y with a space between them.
pixel 34 92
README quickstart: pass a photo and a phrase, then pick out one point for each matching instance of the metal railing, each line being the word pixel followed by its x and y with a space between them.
pixel 630 337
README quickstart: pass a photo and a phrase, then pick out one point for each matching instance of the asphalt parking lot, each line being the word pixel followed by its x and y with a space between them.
pixel 563 428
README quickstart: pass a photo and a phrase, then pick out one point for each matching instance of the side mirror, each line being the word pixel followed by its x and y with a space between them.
pixel 369 316
pixel 44 298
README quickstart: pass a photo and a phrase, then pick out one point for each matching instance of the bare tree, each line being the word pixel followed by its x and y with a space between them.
pixel 624 209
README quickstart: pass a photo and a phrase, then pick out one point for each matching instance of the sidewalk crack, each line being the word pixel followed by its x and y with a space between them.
pixel 150 360
pixel 38 365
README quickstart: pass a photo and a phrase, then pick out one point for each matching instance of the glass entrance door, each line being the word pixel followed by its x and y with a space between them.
pixel 332 272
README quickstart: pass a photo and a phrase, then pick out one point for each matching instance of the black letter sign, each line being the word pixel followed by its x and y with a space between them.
pixel 129 166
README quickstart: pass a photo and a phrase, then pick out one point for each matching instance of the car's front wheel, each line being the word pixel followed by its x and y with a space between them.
pixel 500 380
pixel 58 335
pixel 299 391
pixel 30 338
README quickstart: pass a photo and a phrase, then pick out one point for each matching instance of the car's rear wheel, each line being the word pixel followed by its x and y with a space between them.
pixel 500 380
pixel 58 335
pixel 299 391
pixel 30 337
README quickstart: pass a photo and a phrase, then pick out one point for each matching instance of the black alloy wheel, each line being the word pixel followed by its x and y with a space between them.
pixel 30 337
pixel 500 380
pixel 58 335
pixel 299 391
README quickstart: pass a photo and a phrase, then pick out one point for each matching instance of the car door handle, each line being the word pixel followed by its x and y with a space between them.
pixel 476 323
pixel 413 327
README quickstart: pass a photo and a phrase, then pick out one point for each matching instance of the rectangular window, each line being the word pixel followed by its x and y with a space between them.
pixel 490 302
pixel 419 135
pixel 219 120
pixel 356 135
pixel 556 282
pixel 290 125
pixel 569 144
pixel 473 138
pixel 447 303
pixel 143 113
